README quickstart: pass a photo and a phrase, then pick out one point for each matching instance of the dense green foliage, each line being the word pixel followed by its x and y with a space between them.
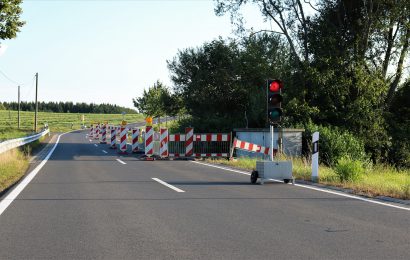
pixel 349 169
pixel 10 22
pixel 335 143
pixel 69 107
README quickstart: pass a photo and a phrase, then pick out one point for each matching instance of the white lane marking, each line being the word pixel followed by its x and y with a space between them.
pixel 168 185
pixel 95 145
pixel 314 188
pixel 104 151
pixel 120 161
pixel 20 187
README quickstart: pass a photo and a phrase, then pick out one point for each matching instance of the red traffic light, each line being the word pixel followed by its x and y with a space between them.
pixel 275 85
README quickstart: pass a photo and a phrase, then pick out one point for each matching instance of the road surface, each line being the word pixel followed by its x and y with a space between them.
pixel 88 202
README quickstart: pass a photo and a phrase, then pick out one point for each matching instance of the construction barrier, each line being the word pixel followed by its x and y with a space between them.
pixel 189 141
pixel 203 145
pixel 91 131
pixel 113 133
pixel 103 134
pixel 97 131
pixel 135 134
pixel 163 150
pixel 149 141
pixel 123 140
pixel 250 147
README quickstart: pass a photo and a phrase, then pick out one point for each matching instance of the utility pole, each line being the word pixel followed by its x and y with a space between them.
pixel 35 113
pixel 18 114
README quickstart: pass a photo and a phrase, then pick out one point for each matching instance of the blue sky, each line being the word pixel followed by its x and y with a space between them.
pixel 104 51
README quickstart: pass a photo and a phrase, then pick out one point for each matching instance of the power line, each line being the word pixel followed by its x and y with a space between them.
pixel 7 77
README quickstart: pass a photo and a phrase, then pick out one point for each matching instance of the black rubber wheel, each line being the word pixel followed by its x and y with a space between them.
pixel 254 177
pixel 286 181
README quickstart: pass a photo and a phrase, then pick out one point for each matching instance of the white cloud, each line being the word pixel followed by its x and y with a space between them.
pixel 3 49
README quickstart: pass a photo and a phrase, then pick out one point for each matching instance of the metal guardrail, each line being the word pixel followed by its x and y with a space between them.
pixel 13 143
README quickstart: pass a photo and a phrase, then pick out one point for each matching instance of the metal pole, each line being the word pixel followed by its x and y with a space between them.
pixel 35 113
pixel 18 113
pixel 271 142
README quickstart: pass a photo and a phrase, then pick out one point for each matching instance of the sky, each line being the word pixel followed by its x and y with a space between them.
pixel 105 51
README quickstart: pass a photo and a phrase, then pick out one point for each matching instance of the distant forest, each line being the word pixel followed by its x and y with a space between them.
pixel 68 107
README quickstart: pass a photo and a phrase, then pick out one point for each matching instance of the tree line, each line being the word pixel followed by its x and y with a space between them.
pixel 343 64
pixel 68 107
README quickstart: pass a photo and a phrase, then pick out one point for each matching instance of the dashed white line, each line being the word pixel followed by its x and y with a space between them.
pixel 104 151
pixel 95 145
pixel 121 161
pixel 168 185
pixel 315 188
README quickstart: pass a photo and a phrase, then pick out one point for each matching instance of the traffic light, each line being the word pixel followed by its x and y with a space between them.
pixel 274 100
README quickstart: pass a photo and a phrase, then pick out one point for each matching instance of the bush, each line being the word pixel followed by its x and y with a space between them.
pixel 335 144
pixel 348 169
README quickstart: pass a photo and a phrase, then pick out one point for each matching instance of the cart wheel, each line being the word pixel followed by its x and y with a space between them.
pixel 286 181
pixel 254 177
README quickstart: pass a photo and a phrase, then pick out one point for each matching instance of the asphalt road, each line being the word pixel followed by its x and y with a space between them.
pixel 85 204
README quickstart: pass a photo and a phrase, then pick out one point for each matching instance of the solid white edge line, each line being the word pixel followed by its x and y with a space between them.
pixel 29 177
pixel 121 161
pixel 104 151
pixel 314 188
pixel 168 185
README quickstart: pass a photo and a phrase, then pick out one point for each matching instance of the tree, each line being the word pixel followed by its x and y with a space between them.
pixel 223 83
pixel 10 22
pixel 153 102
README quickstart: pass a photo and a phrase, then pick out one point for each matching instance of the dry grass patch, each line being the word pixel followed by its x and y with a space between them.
pixel 13 165
pixel 378 180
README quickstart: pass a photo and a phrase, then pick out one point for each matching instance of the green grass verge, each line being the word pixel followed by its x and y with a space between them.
pixel 379 180
pixel 58 122
pixel 13 165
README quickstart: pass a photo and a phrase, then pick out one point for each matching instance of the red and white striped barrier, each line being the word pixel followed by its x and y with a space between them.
pixel 149 141
pixel 113 130
pixel 212 137
pixel 91 134
pixel 123 140
pixel 250 147
pixel 103 134
pixel 135 134
pixel 163 149
pixel 189 142
pixel 97 131
pixel 177 138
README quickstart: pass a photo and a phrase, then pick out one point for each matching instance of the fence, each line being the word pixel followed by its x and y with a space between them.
pixel 13 143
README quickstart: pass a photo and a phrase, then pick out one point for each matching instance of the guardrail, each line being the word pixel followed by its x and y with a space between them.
pixel 13 143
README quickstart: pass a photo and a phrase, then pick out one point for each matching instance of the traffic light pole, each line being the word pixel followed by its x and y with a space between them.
pixel 271 142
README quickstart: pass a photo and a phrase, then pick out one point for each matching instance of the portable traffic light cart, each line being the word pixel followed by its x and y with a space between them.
pixel 273 169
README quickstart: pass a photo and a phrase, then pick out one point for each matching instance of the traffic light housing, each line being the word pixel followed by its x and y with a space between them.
pixel 274 101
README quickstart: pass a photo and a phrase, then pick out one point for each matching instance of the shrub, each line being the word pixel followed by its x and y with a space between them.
pixel 335 144
pixel 349 169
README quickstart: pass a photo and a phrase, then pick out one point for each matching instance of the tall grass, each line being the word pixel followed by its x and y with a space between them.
pixel 13 165
pixel 377 180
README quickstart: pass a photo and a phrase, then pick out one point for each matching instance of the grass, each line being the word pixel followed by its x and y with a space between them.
pixel 379 180
pixel 13 165
pixel 58 122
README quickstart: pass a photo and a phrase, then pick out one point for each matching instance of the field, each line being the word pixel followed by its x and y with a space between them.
pixel 378 180
pixel 58 122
